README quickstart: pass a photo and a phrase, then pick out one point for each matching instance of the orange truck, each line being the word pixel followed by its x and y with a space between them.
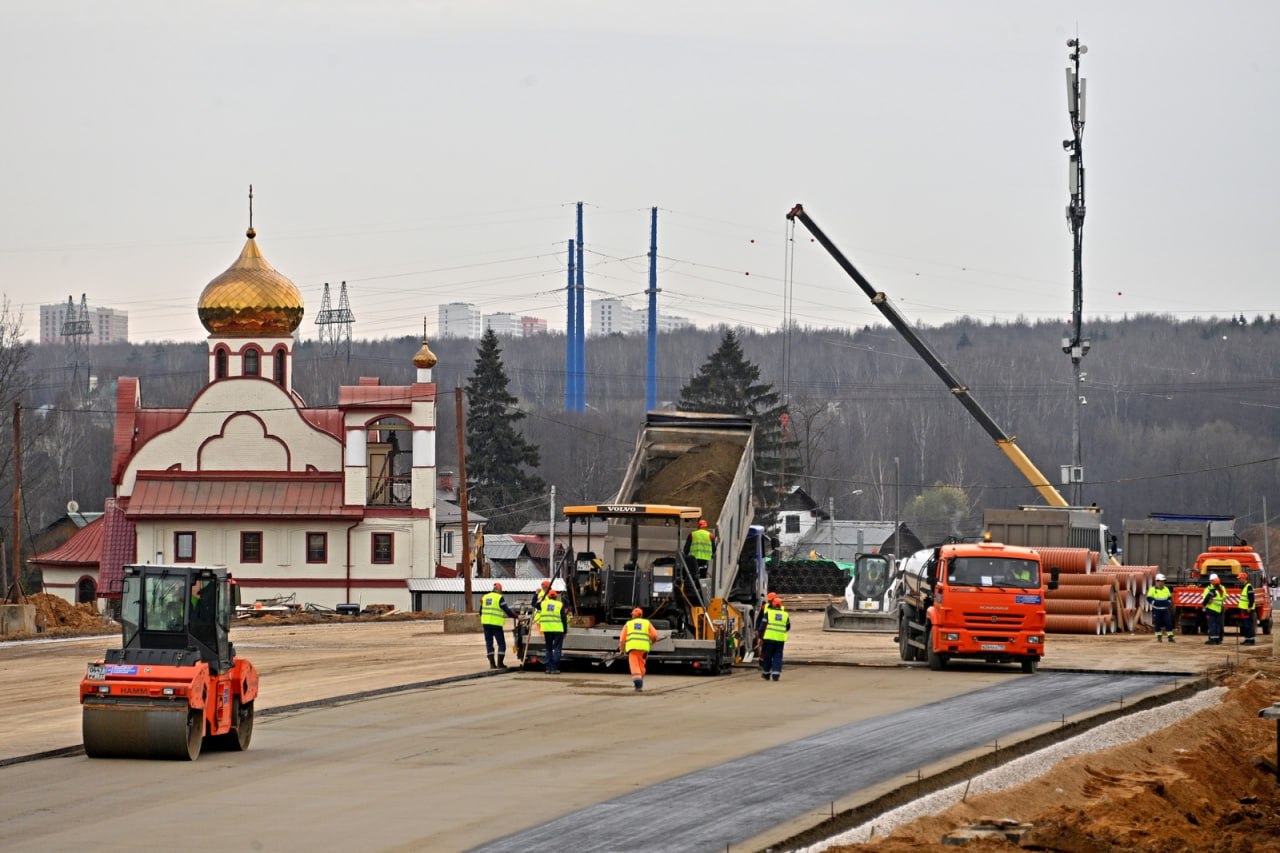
pixel 979 600
pixel 1225 561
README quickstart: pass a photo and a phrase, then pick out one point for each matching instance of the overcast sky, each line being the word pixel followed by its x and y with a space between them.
pixel 431 152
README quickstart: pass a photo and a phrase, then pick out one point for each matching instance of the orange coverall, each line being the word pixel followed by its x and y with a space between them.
pixel 635 657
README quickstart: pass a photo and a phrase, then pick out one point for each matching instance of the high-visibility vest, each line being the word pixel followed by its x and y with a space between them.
pixel 700 544
pixel 1214 596
pixel 775 624
pixel 1244 597
pixel 491 609
pixel 638 635
pixel 549 616
pixel 1161 597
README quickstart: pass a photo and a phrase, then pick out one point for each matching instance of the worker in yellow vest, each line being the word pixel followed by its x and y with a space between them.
pixel 638 637
pixel 554 622
pixel 1161 598
pixel 773 626
pixel 1215 598
pixel 1248 627
pixel 493 617
pixel 700 546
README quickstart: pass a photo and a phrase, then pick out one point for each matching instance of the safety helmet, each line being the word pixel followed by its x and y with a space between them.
pixel 771 596
pixel 546 584
pixel 1244 576
pixel 777 601
pixel 553 594
pixel 497 586
pixel 702 522
pixel 1160 577
pixel 1214 579
pixel 637 612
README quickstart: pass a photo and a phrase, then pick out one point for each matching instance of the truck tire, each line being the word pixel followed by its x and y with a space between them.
pixel 905 652
pixel 1030 665
pixel 936 661
pixel 1188 626
pixel 1266 625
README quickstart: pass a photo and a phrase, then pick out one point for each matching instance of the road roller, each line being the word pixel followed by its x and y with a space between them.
pixel 175 685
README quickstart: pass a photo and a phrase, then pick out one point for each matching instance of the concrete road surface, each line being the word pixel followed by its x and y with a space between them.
pixel 539 762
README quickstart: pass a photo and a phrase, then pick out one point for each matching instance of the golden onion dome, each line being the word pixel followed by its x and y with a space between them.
pixel 251 298
pixel 424 358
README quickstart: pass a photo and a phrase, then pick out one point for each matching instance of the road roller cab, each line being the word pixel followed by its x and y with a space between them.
pixel 175 684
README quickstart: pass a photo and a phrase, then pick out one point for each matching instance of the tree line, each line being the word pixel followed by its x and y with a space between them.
pixel 1177 416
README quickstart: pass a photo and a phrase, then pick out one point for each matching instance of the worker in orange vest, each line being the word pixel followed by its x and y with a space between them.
pixel 638 637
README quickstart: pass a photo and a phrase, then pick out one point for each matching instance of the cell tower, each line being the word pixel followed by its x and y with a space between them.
pixel 77 329
pixel 1074 344
pixel 335 324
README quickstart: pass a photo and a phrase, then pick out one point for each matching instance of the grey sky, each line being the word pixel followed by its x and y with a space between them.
pixel 430 152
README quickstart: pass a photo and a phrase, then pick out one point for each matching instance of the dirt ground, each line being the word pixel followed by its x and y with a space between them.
pixel 1201 785
pixel 1195 786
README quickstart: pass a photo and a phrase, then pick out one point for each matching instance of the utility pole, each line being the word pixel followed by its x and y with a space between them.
pixel 897 510
pixel 17 508
pixel 831 520
pixel 570 335
pixel 580 367
pixel 651 369
pixel 1073 344
pixel 462 501
pixel 551 535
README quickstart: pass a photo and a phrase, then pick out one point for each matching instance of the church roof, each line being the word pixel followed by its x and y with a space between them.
pixel 192 494
pixel 251 298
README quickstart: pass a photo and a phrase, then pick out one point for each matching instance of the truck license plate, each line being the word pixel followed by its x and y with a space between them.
pixel 993 647
pixel 869 605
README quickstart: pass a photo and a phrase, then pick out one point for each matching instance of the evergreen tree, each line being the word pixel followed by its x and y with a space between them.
pixel 498 484
pixel 729 384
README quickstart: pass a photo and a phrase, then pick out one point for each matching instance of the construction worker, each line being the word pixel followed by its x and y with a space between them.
pixel 540 595
pixel 772 626
pixel 700 547
pixel 493 617
pixel 1248 625
pixel 1161 598
pixel 554 622
pixel 1215 598
pixel 638 636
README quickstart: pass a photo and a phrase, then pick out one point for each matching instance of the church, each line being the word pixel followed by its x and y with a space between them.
pixel 331 505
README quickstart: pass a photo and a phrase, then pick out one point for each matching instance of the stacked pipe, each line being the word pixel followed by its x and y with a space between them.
pixel 1085 602
pixel 1134 583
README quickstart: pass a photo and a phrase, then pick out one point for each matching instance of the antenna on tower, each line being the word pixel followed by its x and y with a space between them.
pixel 1074 344
pixel 335 324
pixel 250 232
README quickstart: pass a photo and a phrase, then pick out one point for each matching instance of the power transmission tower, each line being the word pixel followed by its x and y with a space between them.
pixel 335 324
pixel 77 327
pixel 1073 343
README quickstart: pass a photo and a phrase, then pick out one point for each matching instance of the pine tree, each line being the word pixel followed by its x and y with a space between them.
pixel 729 384
pixel 498 484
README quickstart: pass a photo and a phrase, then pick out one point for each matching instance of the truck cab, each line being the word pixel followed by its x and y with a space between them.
pixel 978 600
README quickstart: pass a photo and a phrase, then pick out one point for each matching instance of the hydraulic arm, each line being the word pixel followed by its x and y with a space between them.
pixel 1003 440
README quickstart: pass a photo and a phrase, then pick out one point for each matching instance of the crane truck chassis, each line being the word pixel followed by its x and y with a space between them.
pixel 175 684
pixel 980 600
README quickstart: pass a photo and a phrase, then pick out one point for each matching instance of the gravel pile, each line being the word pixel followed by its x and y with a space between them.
pixel 1025 769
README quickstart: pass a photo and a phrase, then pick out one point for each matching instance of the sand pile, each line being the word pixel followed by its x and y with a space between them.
pixel 57 617
pixel 701 477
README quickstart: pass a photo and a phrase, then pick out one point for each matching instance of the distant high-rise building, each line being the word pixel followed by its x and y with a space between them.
pixel 504 324
pixel 614 317
pixel 109 325
pixel 460 320
pixel 533 326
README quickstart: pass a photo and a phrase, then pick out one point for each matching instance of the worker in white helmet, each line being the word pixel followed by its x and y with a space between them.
pixel 1161 598
pixel 1214 601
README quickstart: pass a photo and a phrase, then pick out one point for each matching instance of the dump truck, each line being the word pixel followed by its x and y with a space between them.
pixel 175 684
pixel 1226 561
pixel 686 466
pixel 979 600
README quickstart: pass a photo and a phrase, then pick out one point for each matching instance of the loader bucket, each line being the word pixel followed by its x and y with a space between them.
pixel 841 618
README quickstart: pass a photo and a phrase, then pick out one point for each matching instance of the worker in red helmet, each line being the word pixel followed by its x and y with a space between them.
pixel 493 618
pixel 1214 602
pixel 638 636
pixel 772 627
pixel 700 547
pixel 554 622
pixel 1246 604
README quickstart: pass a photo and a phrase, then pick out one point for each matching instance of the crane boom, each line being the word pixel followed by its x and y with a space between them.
pixel 960 391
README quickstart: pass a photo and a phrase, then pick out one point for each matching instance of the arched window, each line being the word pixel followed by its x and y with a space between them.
pixel 86 591
pixel 220 364
pixel 278 372
pixel 251 362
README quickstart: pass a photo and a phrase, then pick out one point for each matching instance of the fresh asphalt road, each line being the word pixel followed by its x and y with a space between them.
pixel 710 809
pixel 539 762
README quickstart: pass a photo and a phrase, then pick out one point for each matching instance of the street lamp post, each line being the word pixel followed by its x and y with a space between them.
pixel 831 522
pixel 897 509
